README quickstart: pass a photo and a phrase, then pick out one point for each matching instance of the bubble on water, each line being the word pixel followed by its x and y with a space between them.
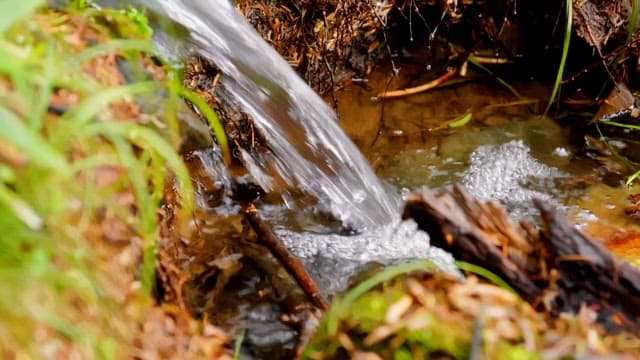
pixel 561 151
pixel 335 259
pixel 508 174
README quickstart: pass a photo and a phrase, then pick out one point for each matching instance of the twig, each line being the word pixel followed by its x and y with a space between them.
pixel 491 60
pixel 513 103
pixel 290 263
pixel 418 89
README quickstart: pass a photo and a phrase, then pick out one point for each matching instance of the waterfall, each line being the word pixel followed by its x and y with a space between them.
pixel 310 151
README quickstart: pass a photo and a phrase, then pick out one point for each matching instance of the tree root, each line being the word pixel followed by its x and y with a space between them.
pixel 418 89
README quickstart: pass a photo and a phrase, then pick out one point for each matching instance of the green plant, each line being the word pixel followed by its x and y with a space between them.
pixel 81 160
pixel 13 10
pixel 633 19
pixel 475 63
pixel 565 51
pixel 633 177
pixel 478 270
pixel 339 307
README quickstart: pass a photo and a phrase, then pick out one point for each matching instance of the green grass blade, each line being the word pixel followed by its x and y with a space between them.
pixel 96 103
pixel 633 19
pixel 340 305
pixel 14 10
pixel 515 92
pixel 12 64
pixel 386 275
pixel 635 175
pixel 118 45
pixel 632 178
pixel 238 344
pixel 212 118
pixel 148 139
pixel 146 208
pixel 461 121
pixel 565 52
pixel 478 270
pixel 38 149
pixel 43 97
pixel 138 182
pixel 94 161
pixel 626 126
pixel 20 208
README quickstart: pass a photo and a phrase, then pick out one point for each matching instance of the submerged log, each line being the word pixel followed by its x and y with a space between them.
pixel 557 268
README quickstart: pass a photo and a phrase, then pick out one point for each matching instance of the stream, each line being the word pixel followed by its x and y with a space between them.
pixel 507 153
pixel 310 151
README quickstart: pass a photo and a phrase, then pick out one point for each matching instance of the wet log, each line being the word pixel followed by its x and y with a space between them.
pixel 589 274
pixel 556 268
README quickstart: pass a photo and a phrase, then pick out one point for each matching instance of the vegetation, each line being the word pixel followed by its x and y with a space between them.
pixel 407 313
pixel 86 152
pixel 89 133
pixel 565 51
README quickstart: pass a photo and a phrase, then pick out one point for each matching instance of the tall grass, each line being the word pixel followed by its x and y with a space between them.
pixel 633 19
pixel 65 179
pixel 565 52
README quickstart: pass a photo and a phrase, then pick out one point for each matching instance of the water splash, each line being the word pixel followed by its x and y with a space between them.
pixel 510 175
pixel 333 260
pixel 312 153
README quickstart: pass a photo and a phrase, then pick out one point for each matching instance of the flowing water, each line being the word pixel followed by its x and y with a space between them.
pixel 495 157
pixel 310 151
pixel 312 154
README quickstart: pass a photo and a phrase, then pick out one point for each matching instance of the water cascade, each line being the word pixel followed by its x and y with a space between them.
pixel 311 152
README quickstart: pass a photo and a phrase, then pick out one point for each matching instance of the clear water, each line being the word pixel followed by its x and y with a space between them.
pixel 311 153
pixel 333 260
pixel 510 175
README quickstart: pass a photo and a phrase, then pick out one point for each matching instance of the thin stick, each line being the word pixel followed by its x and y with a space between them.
pixel 418 89
pixel 490 60
pixel 267 238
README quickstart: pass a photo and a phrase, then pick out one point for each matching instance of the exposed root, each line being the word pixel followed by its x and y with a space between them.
pixel 418 89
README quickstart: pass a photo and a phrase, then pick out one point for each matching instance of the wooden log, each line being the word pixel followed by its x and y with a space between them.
pixel 589 274
pixel 557 269
pixel 451 223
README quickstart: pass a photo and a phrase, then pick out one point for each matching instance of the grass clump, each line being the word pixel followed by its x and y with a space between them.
pixel 401 314
pixel 84 157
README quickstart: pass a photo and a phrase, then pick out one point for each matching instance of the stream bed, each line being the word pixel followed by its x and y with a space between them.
pixel 335 214
pixel 507 153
